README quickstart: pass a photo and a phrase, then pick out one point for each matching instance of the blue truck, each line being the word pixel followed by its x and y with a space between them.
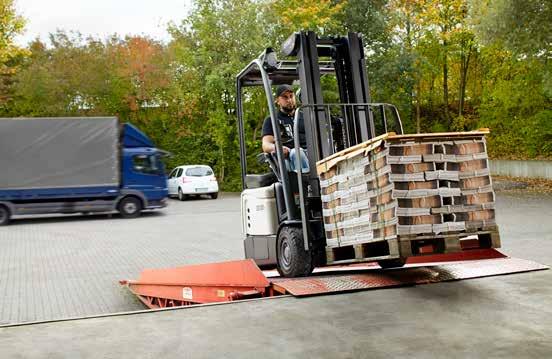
pixel 78 165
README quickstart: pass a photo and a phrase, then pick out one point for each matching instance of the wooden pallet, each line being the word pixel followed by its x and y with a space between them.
pixel 363 252
pixel 424 244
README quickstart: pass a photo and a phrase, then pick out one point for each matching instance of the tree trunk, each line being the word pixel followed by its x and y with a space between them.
pixel 445 82
pixel 409 49
pixel 418 124
pixel 221 168
pixel 464 65
pixel 431 93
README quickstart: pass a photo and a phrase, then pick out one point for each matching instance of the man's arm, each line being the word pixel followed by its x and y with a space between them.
pixel 269 145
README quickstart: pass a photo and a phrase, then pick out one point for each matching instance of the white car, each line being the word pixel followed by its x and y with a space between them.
pixel 192 180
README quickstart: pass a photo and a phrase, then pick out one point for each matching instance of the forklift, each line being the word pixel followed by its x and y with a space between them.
pixel 282 210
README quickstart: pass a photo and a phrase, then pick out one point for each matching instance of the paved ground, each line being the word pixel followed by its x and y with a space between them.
pixel 507 316
pixel 70 266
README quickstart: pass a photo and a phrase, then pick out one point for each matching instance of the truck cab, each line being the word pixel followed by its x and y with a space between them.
pixel 142 171
pixel 78 165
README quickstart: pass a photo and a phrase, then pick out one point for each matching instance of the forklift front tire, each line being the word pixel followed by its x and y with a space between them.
pixel 392 263
pixel 293 259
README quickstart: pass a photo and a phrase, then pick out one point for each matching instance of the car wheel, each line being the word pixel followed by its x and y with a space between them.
pixel 130 207
pixel 181 196
pixel 292 258
pixel 214 195
pixel 4 215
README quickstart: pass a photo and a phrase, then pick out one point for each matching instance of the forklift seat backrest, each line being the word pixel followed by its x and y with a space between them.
pixel 262 180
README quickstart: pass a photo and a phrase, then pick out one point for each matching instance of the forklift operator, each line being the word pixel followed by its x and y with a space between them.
pixel 285 99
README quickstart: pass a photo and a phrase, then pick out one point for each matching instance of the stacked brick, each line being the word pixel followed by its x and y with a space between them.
pixel 444 190
pixel 360 213
pixel 417 191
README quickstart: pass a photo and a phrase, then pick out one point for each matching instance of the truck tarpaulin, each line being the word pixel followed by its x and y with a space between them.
pixel 58 152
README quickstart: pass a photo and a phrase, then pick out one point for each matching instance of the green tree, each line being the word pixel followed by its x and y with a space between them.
pixel 523 26
pixel 211 46
pixel 321 16
pixel 11 55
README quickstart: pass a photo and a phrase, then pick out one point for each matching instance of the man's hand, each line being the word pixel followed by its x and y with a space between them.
pixel 286 151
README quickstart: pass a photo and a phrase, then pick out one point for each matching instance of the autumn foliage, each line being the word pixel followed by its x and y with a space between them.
pixel 447 65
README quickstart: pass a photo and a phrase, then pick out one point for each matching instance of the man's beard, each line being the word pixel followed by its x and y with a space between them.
pixel 289 109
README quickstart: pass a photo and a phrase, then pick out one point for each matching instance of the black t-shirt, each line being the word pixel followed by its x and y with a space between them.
pixel 286 129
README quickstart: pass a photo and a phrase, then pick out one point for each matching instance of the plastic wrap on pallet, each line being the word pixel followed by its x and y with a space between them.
pixel 414 229
pixel 480 224
pixel 407 177
pixel 335 195
pixel 416 193
pixel 471 157
pixel 442 175
pixel 462 208
pixel 484 189
pixel 358 206
pixel 448 227
pixel 467 142
pixel 398 160
pixel 340 178
pixel 475 173
pixel 441 157
pixel 401 211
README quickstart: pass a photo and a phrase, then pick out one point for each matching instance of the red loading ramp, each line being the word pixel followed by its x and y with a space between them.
pixel 230 281
pixel 375 279
pixel 429 260
pixel 197 284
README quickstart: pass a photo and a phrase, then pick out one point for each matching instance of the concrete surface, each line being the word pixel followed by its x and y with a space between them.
pixel 69 266
pixel 529 169
pixel 508 316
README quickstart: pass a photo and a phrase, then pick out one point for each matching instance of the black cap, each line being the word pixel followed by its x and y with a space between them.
pixel 283 88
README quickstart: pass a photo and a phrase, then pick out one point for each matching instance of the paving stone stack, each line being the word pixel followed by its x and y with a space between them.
pixel 429 192
pixel 444 191
pixel 360 213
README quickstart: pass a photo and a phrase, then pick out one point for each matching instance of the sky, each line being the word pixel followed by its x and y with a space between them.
pixel 100 18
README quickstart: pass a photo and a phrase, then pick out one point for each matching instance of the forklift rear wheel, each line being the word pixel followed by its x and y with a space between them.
pixel 130 207
pixel 392 263
pixel 181 196
pixel 293 259
pixel 4 215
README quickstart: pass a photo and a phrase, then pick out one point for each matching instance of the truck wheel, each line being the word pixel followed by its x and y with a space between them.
pixel 4 216
pixel 293 260
pixel 130 207
pixel 392 263
pixel 181 196
pixel 214 195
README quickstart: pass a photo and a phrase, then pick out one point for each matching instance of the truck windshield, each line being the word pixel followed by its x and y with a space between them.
pixel 149 164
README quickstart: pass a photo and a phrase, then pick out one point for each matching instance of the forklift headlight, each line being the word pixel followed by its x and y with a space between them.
pixel 291 46
pixel 269 60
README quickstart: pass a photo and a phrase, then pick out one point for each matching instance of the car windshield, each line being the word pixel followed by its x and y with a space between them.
pixel 199 172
